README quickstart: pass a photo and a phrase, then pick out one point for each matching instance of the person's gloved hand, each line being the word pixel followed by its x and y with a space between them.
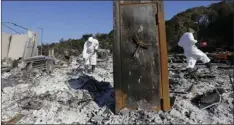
pixel 203 44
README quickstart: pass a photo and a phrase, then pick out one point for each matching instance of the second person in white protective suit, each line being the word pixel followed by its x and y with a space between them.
pixel 191 51
pixel 90 53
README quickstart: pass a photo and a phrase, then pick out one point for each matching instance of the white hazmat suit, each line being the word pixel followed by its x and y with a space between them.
pixel 89 51
pixel 191 52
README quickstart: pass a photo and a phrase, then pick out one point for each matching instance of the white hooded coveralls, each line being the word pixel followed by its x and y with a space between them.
pixel 191 52
pixel 89 53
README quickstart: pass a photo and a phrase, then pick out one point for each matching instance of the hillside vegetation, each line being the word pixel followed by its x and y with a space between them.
pixel 75 46
pixel 218 32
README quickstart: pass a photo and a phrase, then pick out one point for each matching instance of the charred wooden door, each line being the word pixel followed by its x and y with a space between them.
pixel 138 55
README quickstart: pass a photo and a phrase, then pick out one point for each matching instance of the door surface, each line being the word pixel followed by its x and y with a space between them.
pixel 137 72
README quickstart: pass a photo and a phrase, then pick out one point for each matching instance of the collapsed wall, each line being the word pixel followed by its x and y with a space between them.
pixel 31 45
pixel 19 45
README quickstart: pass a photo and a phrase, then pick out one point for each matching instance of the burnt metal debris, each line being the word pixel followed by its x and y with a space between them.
pixel 207 100
pixel 40 62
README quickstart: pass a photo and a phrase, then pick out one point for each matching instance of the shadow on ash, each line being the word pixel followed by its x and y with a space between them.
pixel 101 92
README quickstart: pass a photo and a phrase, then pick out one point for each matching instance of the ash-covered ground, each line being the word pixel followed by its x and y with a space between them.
pixel 52 99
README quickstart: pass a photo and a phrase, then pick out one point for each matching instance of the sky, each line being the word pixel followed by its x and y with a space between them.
pixel 72 19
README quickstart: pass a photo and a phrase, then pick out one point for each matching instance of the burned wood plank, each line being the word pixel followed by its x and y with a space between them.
pixel 199 76
pixel 225 67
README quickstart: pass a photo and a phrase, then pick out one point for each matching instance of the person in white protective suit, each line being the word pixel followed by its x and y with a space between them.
pixel 90 53
pixel 191 51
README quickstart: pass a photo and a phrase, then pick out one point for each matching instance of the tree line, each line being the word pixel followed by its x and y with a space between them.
pixel 216 29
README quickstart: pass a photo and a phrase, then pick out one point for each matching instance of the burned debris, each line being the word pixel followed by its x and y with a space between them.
pixel 130 86
pixel 40 62
pixel 69 93
pixel 207 100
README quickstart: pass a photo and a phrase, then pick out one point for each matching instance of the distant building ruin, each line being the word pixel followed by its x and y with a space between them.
pixel 17 46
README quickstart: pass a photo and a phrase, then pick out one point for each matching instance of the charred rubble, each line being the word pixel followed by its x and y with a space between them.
pixel 68 96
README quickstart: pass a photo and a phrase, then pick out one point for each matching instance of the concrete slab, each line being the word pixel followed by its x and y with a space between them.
pixel 17 46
